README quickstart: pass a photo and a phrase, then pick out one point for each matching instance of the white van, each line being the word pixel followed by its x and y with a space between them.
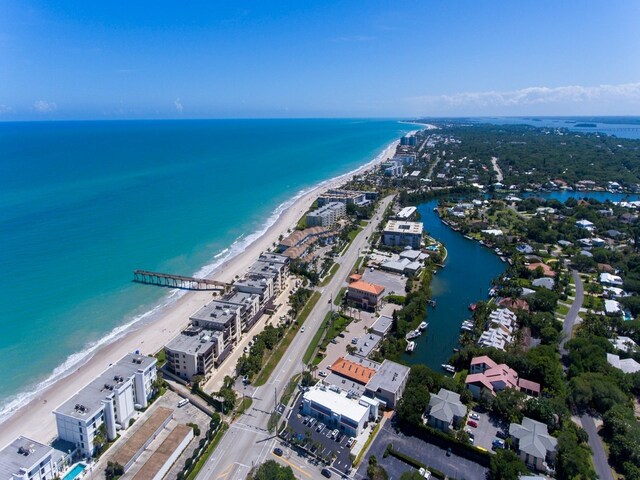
pixel 183 402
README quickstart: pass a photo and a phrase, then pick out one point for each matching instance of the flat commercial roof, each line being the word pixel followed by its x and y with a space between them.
pixel 337 403
pixel 406 212
pixel 394 226
pixel 13 458
pixel 389 377
pixel 153 465
pixel 352 370
pixel 382 324
pixel 139 439
pixel 192 344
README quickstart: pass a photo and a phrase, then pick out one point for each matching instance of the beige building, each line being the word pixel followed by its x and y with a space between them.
pixel 401 234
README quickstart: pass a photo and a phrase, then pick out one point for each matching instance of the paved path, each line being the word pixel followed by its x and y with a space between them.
pixel 599 456
pixel 248 442
pixel 572 315
pixel 496 168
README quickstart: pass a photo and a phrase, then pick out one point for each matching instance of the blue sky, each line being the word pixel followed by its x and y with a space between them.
pixel 137 59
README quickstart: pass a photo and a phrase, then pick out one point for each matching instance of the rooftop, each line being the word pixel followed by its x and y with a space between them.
pixel 353 370
pixel 337 403
pixel 21 454
pixel 363 286
pixel 627 365
pixel 193 344
pixel 382 324
pixel 390 376
pixel 85 404
pixel 446 405
pixel 533 437
pixel 406 212
pixel 216 312
pixel 395 226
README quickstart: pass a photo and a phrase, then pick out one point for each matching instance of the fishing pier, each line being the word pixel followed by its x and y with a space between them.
pixel 177 281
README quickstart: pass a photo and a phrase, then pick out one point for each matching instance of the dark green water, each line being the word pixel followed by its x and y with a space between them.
pixel 466 278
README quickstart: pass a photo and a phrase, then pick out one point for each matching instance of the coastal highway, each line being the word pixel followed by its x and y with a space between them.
pixel 247 442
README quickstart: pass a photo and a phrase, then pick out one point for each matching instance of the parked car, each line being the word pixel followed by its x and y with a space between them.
pixel 320 427
pixel 425 473
pixel 302 329
pixel 326 473
pixel 323 373
pixel 278 451
pixel 472 423
pixel 335 433
pixel 350 442
pixel 501 434
pixel 497 443
pixel 312 422
pixel 183 402
pixel 449 452
pixel 245 379
pixel 474 416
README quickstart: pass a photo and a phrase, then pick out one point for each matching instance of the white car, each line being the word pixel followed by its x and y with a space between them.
pixel 474 416
pixel 302 329
pixel 323 373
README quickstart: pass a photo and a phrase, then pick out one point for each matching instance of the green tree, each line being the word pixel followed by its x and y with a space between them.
pixel 272 470
pixel 506 465
pixel 113 470
pixel 507 404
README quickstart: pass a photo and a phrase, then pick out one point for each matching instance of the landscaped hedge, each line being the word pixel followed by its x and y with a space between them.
pixel 444 440
pixel 412 461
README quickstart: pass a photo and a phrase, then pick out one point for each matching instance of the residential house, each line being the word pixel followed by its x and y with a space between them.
pixel 533 444
pixel 445 410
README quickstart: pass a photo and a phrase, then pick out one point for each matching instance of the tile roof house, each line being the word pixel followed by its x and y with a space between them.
pixel 487 377
pixel 366 295
pixel 445 410
pixel 533 444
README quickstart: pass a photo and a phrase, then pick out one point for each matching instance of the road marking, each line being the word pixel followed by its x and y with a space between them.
pixel 292 465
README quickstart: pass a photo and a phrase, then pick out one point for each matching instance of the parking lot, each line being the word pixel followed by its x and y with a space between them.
pixel 319 442
pixel 452 466
pixel 392 282
pixel 485 433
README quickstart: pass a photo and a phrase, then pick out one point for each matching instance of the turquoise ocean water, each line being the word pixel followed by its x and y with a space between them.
pixel 83 204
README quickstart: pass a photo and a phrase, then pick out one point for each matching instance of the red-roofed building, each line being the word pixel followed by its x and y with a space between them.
pixel 546 269
pixel 364 294
pixel 514 304
pixel 487 377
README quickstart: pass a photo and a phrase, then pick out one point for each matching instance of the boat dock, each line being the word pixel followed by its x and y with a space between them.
pixel 177 281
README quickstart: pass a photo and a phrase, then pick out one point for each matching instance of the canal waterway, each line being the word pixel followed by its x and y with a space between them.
pixel 466 278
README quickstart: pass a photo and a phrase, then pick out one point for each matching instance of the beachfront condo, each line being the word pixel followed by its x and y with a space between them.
pixel 402 234
pixel 109 400
pixel 195 352
pixel 327 216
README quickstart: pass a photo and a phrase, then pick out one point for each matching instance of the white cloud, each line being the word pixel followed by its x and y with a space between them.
pixel 42 106
pixel 178 105
pixel 616 97
pixel 5 109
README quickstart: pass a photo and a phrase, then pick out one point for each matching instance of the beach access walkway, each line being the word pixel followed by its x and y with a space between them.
pixel 248 442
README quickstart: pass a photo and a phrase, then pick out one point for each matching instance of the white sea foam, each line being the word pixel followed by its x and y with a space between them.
pixel 11 405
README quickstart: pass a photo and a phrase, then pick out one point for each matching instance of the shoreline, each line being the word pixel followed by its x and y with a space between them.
pixel 152 330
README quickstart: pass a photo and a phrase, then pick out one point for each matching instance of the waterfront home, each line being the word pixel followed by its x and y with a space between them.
pixel 403 266
pixel 533 444
pixel 327 216
pixel 261 286
pixel 445 410
pixel 514 304
pixel 27 459
pixel 402 234
pixel 382 325
pixel 364 294
pixel 222 317
pixel 109 400
pixel 525 249
pixel 486 378
pixel 195 351
pixel 494 338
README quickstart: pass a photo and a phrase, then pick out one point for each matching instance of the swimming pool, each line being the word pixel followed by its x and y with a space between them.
pixel 75 471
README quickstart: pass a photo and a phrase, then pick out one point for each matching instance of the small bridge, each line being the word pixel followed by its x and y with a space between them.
pixel 177 281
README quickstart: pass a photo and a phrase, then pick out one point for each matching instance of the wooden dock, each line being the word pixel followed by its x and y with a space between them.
pixel 177 281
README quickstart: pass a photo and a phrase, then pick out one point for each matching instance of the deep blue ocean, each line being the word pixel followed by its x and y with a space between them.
pixel 83 204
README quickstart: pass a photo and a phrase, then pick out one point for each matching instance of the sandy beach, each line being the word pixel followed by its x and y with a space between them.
pixel 35 419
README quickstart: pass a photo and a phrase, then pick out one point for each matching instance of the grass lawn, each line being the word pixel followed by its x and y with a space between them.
pixel 311 349
pixel 338 299
pixel 332 272
pixel 277 354
pixel 338 326
pixel 352 235
pixel 562 309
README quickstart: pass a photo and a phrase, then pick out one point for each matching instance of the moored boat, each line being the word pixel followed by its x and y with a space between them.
pixel 423 326
pixel 448 368
pixel 411 346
